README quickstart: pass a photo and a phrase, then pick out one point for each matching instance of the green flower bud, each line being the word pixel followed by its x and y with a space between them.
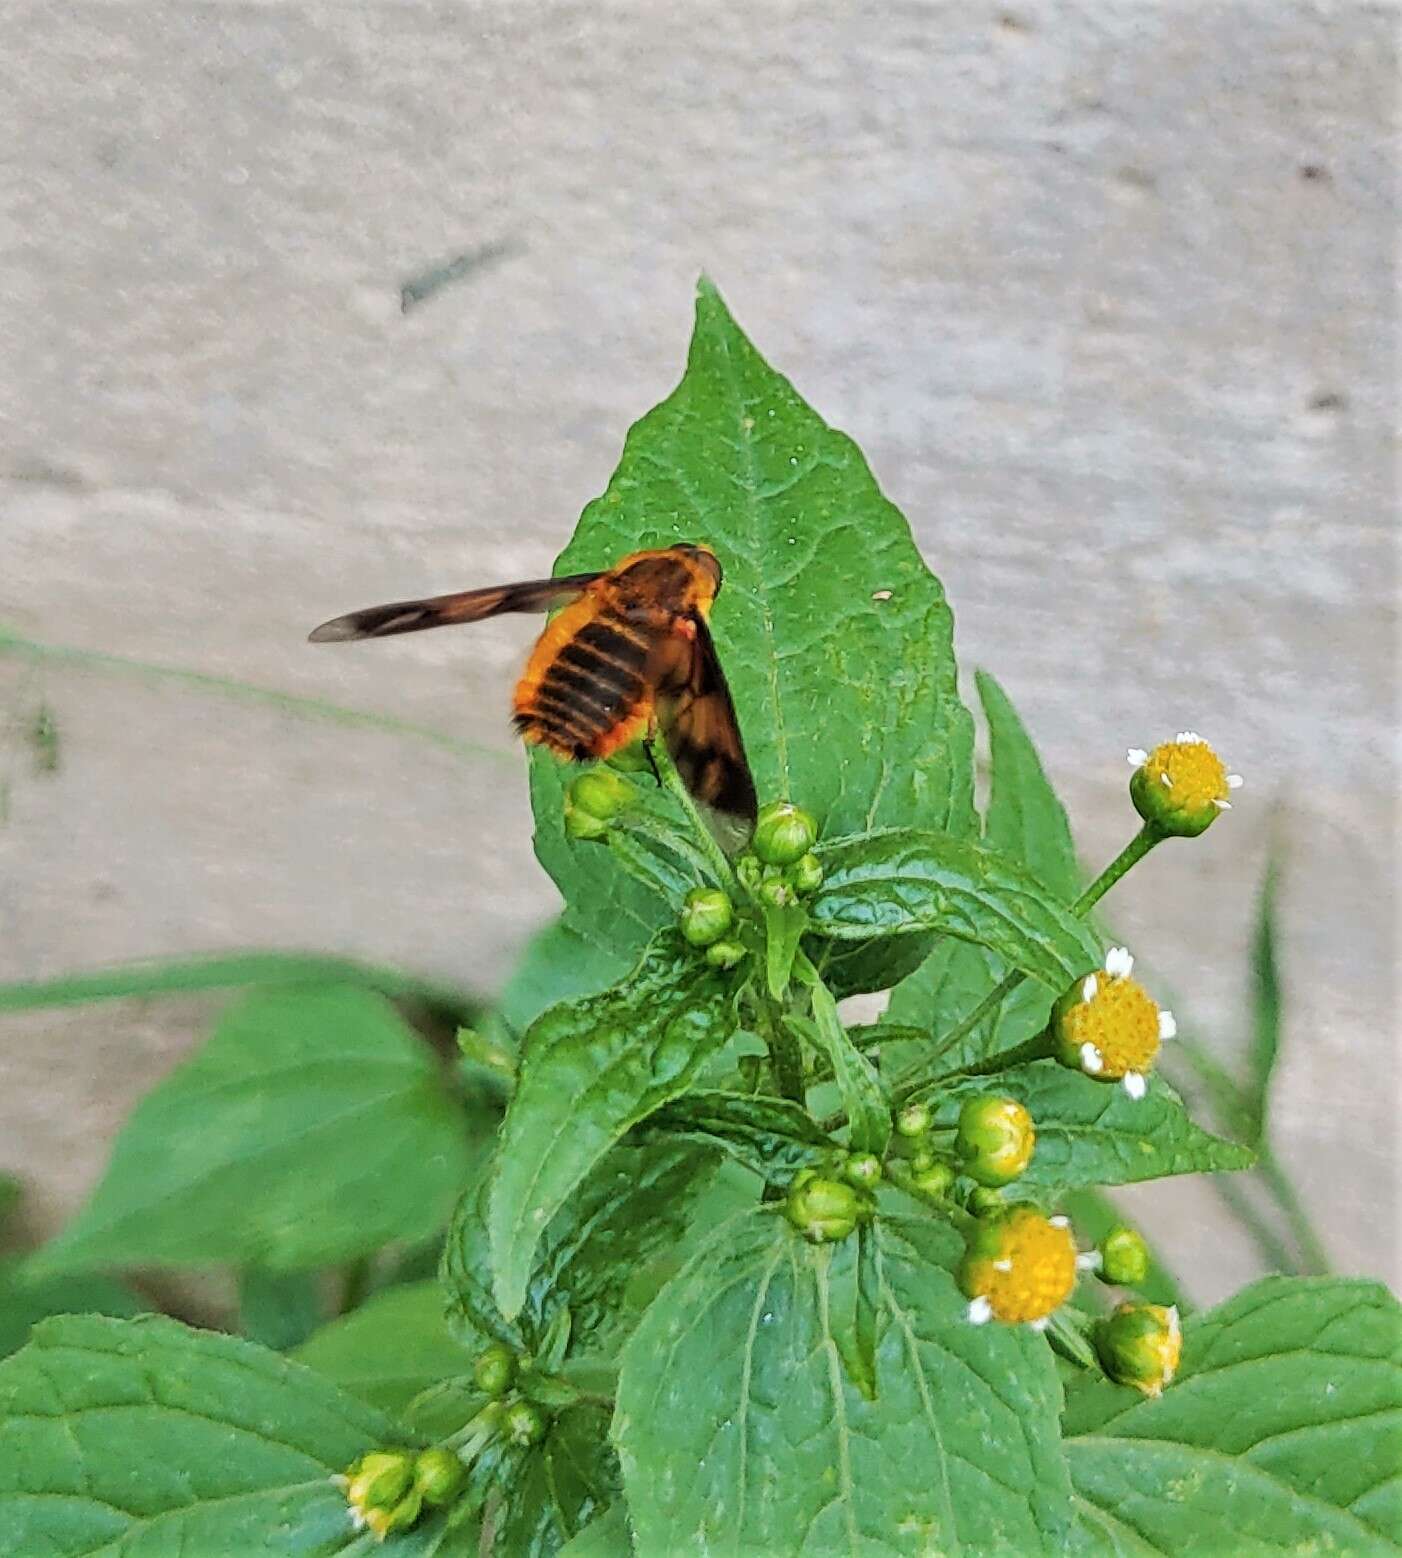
pixel 783 834
pixel 379 1480
pixel 438 1475
pixel 1124 1257
pixel 596 796
pixel 934 1181
pixel 823 1210
pixel 749 872
pixel 706 916
pixel 494 1370
pixel 724 954
pixel 995 1139
pixel 384 1522
pixel 1140 1345
pixel 1181 785
pixel 913 1120
pixel 863 1171
pixel 986 1202
pixel 632 759
pixel 523 1424
pixel 806 874
pixel 776 892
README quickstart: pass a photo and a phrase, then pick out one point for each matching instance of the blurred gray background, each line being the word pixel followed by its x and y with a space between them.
pixel 1105 291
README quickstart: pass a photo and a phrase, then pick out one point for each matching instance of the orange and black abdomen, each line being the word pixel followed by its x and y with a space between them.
pixel 585 692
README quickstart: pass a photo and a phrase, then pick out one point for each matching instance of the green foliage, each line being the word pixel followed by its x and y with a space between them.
pixel 1283 1432
pixel 738 1428
pixel 146 1435
pixel 313 1126
pixel 696 1293
pixel 1093 1133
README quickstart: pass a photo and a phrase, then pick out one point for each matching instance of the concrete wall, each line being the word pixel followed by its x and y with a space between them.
pixel 1105 291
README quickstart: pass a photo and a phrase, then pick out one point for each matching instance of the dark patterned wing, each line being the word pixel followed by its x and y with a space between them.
pixel 437 611
pixel 698 721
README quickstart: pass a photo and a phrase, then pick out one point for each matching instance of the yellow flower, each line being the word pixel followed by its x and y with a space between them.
pixel 1181 785
pixel 1019 1266
pixel 1108 1026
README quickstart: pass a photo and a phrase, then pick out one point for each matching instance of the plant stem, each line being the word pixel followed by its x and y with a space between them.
pixel 355 1283
pixel 1038 1047
pixel 1133 852
pixel 783 1049
pixel 1316 1259
pixel 672 780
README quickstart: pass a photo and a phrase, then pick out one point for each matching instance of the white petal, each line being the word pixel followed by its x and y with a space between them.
pixel 1002 1265
pixel 1135 1085
pixel 1059 1221
pixel 1189 738
pixel 1039 1325
pixel 1168 1028
pixel 980 1311
pixel 1092 1061
pixel 1137 757
pixel 1222 805
pixel 1088 988
pixel 1088 1260
pixel 1119 962
pixel 1165 781
pixel 1174 1326
pixel 1235 781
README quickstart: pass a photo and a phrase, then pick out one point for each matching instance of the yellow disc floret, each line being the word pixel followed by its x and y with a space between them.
pixel 1108 1026
pixel 1019 1266
pixel 1181 785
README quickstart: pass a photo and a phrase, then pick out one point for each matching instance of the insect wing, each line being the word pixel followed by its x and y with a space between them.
pixel 698 721
pixel 436 611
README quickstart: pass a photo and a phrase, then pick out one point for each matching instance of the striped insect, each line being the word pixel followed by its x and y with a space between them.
pixel 630 653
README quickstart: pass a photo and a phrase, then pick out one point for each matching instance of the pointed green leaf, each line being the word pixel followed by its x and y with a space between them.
pixel 1265 1005
pixel 904 881
pixel 865 1100
pixel 279 1309
pixel 1026 821
pixel 312 1127
pixel 739 1432
pixel 147 1436
pixel 835 637
pixel 1094 1133
pixel 606 1536
pixel 1283 1432
pixel 783 930
pixel 557 965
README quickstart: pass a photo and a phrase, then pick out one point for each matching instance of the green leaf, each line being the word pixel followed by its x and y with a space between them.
pixel 279 1309
pixel 636 1201
pixel 1025 821
pixel 394 1346
pixel 1265 1007
pixel 835 638
pixel 559 1487
pixel 26 1299
pixel 865 1101
pixel 783 930
pixel 312 1127
pixel 1094 1133
pixel 1283 1432
pixel 773 1136
pixel 861 967
pixel 905 880
pixel 592 1069
pixel 606 1536
pixel 738 1431
pixel 147 1436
